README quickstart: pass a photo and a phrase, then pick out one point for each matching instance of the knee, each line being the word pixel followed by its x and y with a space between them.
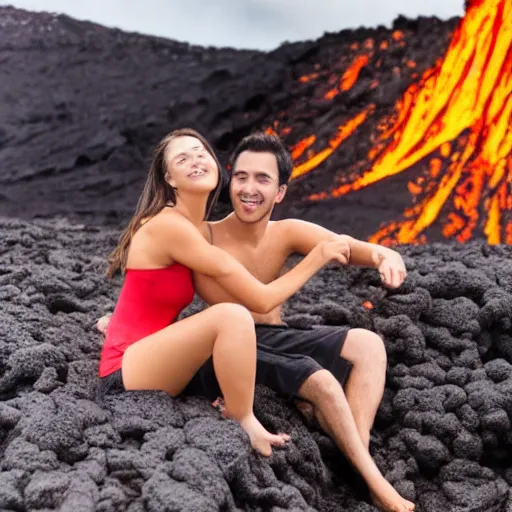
pixel 233 315
pixel 365 346
pixel 322 386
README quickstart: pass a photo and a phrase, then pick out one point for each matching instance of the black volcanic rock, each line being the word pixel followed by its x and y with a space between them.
pixel 442 435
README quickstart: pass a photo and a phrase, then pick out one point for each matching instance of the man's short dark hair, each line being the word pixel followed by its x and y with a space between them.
pixel 261 142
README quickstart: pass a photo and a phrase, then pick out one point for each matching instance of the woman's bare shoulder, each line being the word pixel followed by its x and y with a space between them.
pixel 151 247
pixel 164 221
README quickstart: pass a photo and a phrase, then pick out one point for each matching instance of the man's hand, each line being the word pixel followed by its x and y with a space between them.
pixel 391 268
pixel 335 249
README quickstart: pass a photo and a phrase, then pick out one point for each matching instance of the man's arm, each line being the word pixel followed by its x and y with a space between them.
pixel 302 236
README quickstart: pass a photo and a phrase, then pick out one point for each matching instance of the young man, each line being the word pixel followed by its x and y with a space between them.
pixel 315 364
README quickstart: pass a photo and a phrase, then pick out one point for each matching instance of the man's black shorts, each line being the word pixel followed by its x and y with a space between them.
pixel 286 357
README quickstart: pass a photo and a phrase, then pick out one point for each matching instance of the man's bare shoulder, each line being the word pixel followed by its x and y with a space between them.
pixel 301 236
pixel 294 223
pixel 298 226
pixel 286 227
pixel 280 232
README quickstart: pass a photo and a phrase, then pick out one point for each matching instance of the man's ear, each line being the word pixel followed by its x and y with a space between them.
pixel 281 193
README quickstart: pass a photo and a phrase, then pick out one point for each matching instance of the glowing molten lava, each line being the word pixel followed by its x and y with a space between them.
pixel 457 121
pixel 349 78
pixel 343 132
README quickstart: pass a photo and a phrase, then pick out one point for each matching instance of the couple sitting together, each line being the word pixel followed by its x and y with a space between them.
pixel 169 251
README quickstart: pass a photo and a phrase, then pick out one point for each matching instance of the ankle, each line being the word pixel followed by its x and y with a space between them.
pixel 241 416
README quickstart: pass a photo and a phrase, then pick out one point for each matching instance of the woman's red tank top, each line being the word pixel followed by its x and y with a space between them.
pixel 150 300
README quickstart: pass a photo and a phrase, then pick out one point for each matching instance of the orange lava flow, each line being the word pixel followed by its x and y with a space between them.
pixel 302 145
pixel 344 131
pixel 304 79
pixel 459 116
pixel 349 78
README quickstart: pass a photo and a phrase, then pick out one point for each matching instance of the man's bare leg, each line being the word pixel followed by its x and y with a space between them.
pixel 334 414
pixel 365 385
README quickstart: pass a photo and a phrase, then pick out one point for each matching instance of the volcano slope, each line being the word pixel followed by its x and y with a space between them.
pixel 442 435
pixel 77 145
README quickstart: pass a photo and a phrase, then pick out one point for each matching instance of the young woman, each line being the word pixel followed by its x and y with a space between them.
pixel 145 348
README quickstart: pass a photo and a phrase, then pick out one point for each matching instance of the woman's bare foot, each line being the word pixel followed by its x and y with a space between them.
pixel 387 499
pixel 102 323
pixel 261 439
pixel 260 432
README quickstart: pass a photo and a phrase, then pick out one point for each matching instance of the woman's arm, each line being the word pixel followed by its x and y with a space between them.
pixel 187 246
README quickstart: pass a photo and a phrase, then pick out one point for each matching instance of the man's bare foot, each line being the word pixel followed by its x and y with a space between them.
pixel 102 323
pixel 387 499
pixel 261 439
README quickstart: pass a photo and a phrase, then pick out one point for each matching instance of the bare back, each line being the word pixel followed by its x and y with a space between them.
pixel 264 261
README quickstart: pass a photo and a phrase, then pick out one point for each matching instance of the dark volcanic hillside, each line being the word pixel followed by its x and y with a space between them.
pixel 81 105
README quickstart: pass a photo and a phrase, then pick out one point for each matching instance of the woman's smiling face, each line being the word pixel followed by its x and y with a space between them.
pixel 190 166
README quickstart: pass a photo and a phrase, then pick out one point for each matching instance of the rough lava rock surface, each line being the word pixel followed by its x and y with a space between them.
pixel 442 437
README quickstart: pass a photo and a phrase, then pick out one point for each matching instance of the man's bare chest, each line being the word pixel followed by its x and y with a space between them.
pixel 264 262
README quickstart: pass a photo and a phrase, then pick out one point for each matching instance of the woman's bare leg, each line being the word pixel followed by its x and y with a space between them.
pixel 168 359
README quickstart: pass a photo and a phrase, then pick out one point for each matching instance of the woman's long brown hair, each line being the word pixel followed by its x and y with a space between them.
pixel 157 193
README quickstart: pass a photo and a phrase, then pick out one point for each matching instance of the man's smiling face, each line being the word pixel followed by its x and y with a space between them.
pixel 254 188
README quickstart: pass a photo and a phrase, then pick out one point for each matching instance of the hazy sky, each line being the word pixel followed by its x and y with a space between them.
pixel 261 24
